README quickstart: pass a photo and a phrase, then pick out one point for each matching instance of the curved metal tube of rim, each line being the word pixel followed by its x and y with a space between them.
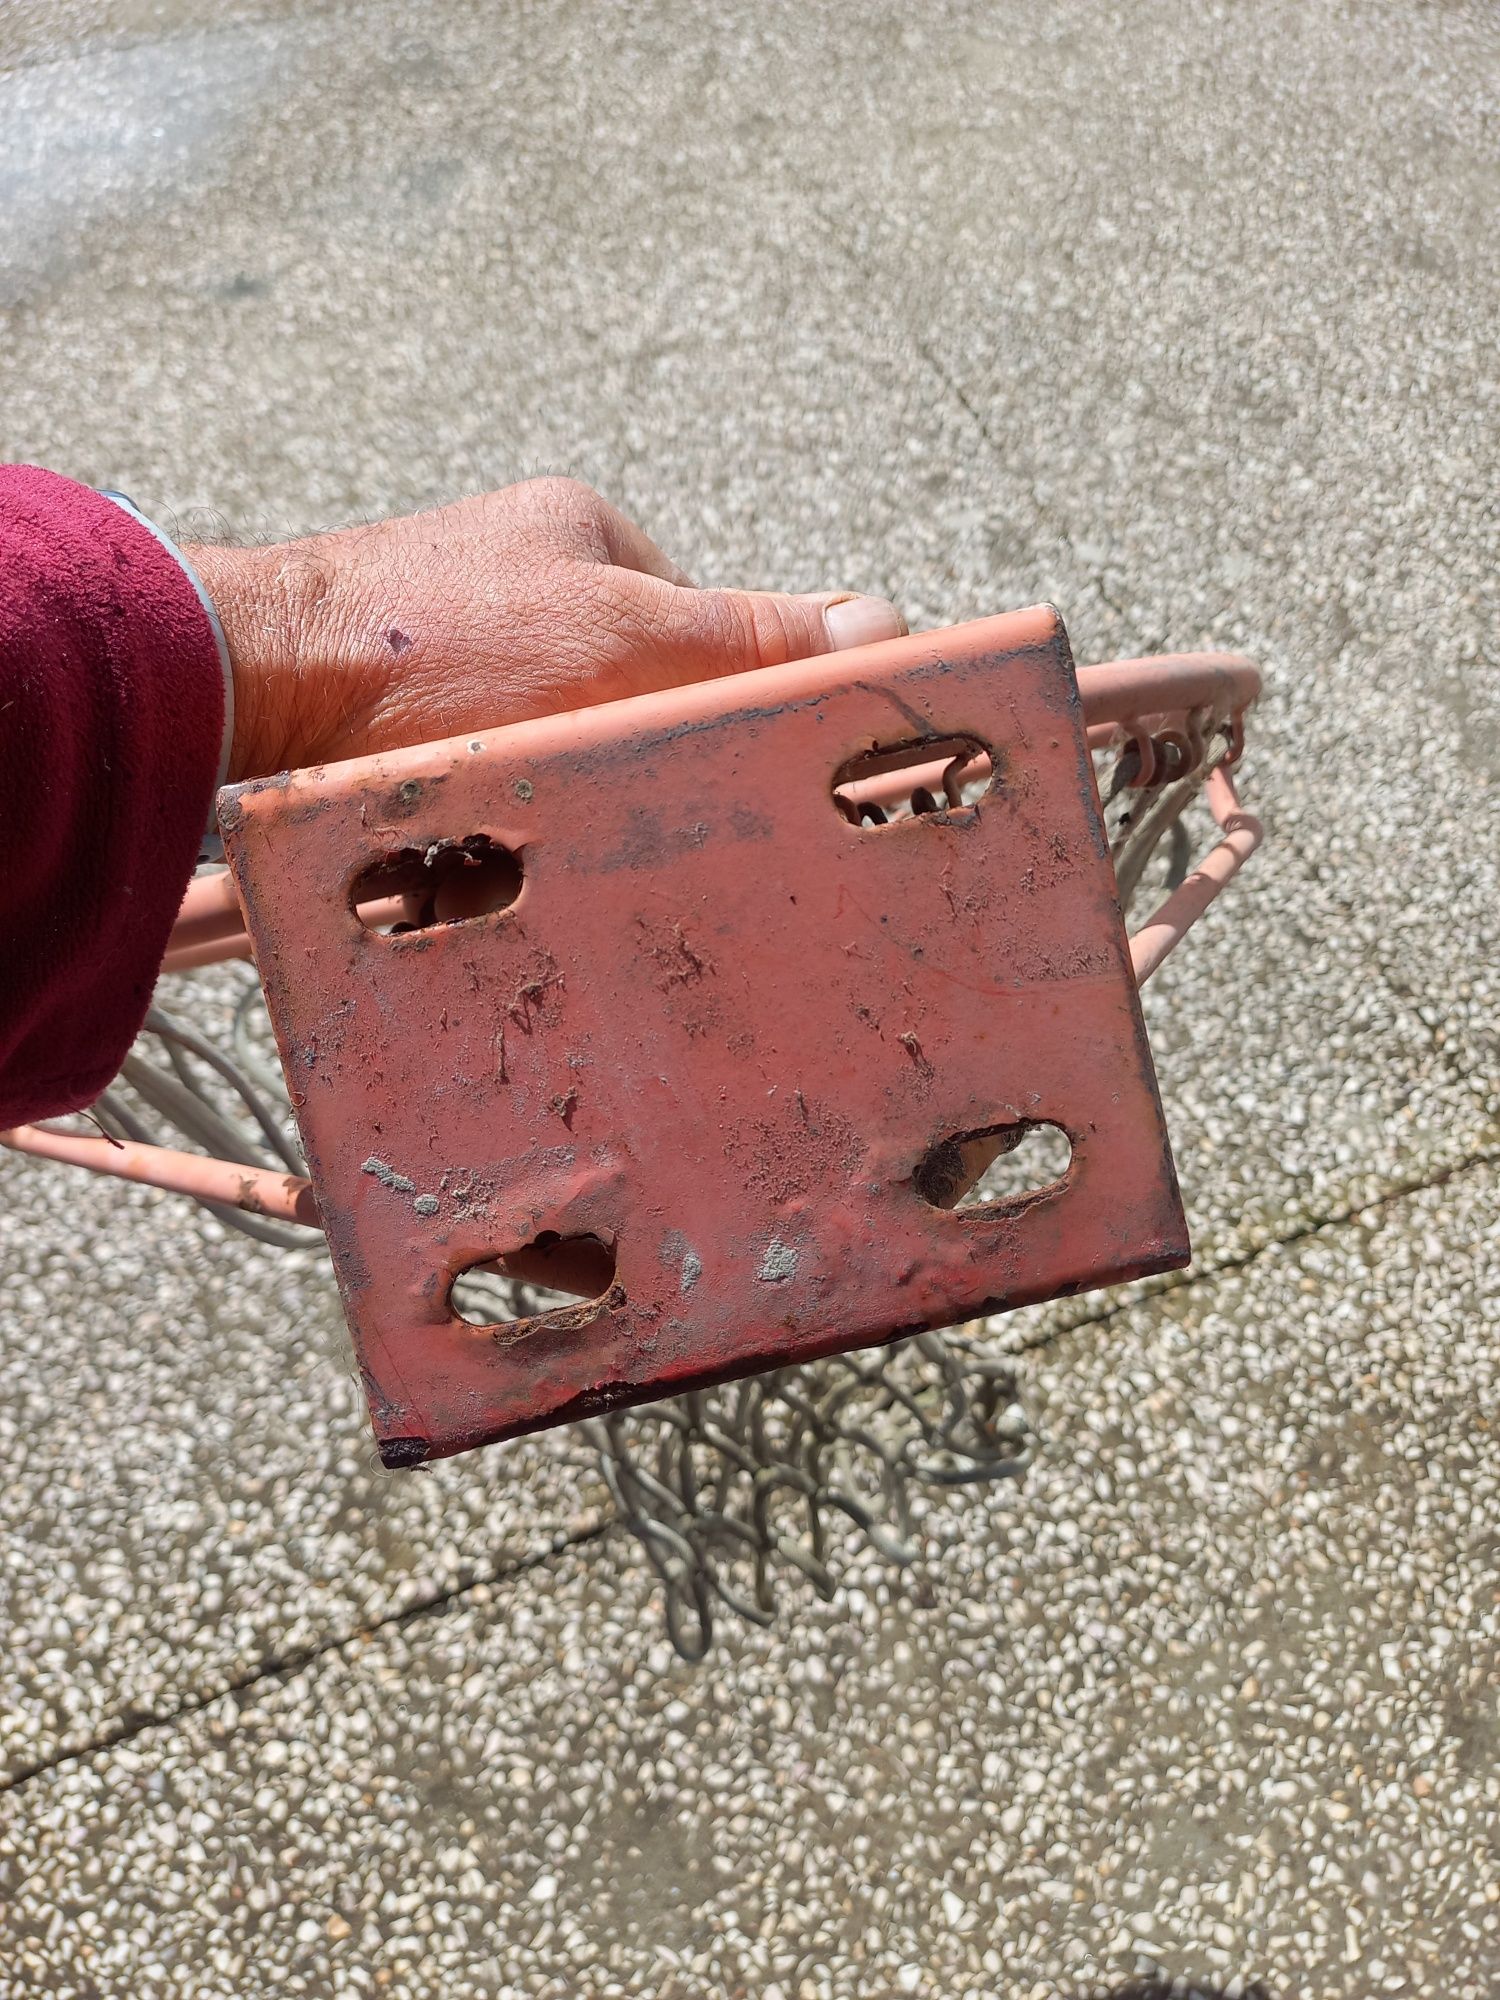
pixel 1181 695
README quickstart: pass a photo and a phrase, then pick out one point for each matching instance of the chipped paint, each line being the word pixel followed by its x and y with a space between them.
pixel 779 1263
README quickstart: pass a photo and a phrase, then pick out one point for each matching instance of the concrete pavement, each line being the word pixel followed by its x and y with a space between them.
pixel 1182 317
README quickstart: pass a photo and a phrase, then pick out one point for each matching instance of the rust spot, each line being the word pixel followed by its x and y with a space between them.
pixel 677 961
pixel 249 1198
pixel 566 1319
pixel 396 1454
pixel 530 992
pixel 913 1048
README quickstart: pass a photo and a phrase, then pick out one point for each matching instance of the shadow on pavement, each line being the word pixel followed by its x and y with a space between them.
pixel 1152 1988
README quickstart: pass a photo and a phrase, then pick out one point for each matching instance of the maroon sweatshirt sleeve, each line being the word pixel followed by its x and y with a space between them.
pixel 111 720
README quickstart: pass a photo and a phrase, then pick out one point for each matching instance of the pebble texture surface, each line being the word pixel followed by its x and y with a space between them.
pixel 1180 316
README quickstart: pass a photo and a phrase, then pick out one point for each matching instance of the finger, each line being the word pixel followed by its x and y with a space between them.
pixel 712 632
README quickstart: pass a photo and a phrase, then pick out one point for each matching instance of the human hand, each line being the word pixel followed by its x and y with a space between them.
pixel 537 598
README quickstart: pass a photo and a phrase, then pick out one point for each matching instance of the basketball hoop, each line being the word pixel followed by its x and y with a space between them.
pixel 726 1486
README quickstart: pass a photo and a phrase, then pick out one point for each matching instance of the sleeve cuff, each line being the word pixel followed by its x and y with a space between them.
pixel 212 846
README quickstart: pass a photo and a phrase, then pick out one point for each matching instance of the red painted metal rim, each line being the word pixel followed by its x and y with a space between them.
pixel 1214 689
pixel 1120 691
pixel 1115 694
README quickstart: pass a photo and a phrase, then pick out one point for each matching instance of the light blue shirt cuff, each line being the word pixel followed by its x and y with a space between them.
pixel 121 500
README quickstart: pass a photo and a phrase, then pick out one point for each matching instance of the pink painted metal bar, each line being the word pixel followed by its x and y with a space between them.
pixel 285 1197
pixel 893 786
pixel 211 951
pixel 210 910
pixel 1171 683
pixel 202 943
pixel 210 928
pixel 1242 833
pixel 1114 694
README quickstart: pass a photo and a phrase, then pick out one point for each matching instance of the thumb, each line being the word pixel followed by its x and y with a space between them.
pixel 712 632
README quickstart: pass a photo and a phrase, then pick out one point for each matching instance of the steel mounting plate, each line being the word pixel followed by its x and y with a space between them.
pixel 720 1029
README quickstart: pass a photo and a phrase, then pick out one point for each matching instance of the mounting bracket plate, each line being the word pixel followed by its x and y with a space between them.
pixel 720 1038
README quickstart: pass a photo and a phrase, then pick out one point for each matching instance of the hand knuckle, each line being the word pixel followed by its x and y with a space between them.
pixel 775 640
pixel 558 496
